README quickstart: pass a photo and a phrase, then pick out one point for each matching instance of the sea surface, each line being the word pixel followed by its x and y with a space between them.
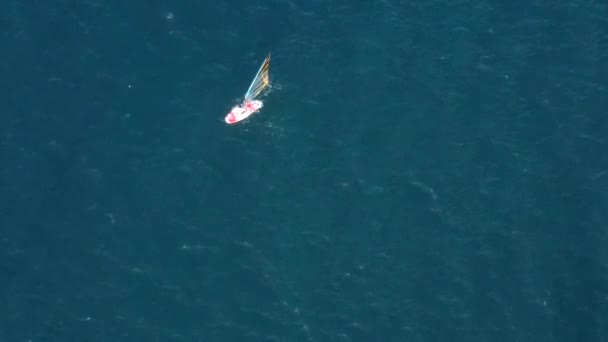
pixel 420 171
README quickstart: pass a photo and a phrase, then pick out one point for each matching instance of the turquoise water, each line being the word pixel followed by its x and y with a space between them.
pixel 419 172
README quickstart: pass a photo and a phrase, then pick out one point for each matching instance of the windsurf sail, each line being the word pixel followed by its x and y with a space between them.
pixel 260 82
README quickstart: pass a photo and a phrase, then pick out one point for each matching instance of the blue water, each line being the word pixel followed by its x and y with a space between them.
pixel 421 171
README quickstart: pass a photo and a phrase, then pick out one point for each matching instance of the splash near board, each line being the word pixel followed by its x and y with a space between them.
pixel 250 103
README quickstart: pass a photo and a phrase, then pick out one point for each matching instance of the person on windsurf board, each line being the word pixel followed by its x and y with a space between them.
pixel 251 104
